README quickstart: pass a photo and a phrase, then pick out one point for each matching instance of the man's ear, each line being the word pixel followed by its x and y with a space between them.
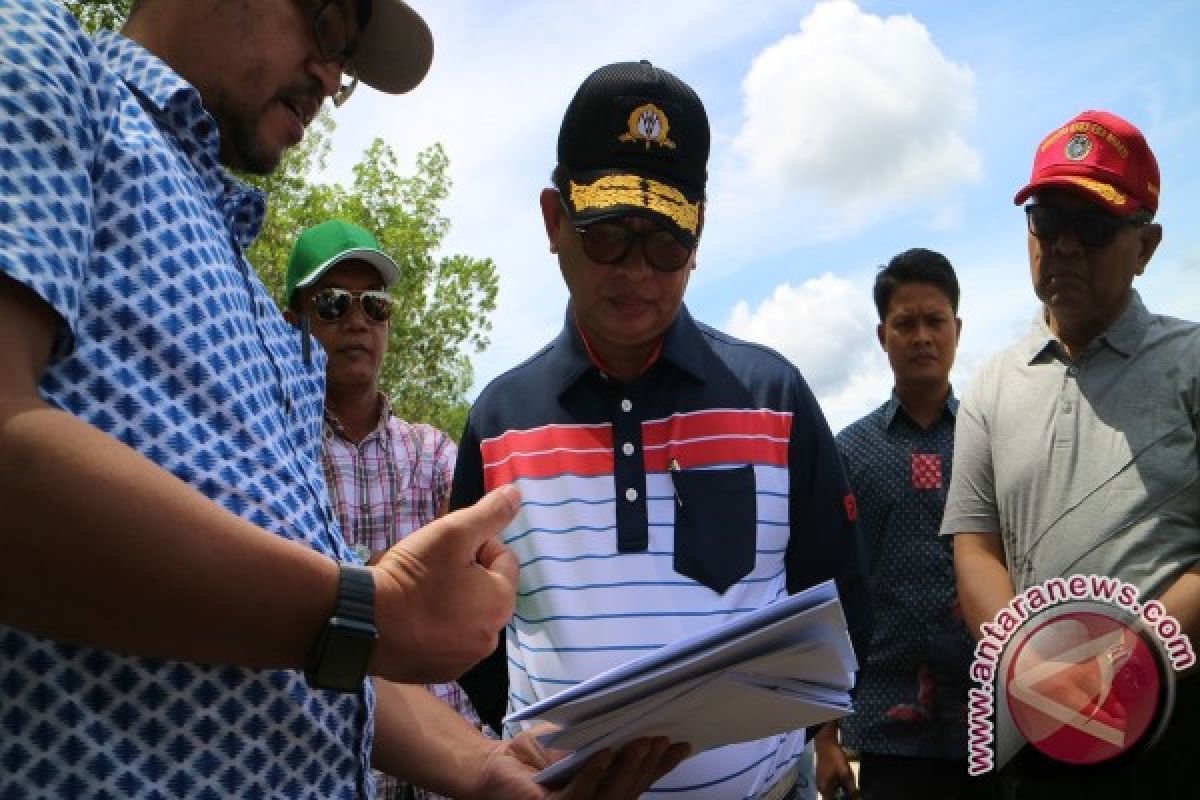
pixel 1151 238
pixel 552 215
pixel 879 336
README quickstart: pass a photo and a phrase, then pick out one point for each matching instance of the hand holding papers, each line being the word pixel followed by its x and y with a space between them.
pixel 786 666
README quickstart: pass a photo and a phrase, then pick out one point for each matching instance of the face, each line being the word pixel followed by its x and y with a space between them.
pixel 261 74
pixel 623 308
pixel 1086 289
pixel 354 344
pixel 920 335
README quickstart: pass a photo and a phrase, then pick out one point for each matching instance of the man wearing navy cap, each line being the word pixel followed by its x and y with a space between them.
pixel 1076 449
pixel 672 476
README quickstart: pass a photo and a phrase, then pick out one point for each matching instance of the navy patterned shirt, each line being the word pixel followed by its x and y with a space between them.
pixel 912 685
pixel 115 211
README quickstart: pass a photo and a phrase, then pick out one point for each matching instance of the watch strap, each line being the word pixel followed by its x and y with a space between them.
pixel 356 594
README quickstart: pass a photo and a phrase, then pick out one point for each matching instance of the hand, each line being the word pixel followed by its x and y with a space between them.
pixel 443 593
pixel 508 772
pixel 833 768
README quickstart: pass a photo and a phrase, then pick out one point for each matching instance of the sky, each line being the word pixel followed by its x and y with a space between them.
pixel 842 133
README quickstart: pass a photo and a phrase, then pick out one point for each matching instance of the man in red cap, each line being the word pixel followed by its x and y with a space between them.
pixel 1076 449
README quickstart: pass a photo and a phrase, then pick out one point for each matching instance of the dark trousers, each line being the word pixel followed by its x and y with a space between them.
pixel 883 777
pixel 1169 769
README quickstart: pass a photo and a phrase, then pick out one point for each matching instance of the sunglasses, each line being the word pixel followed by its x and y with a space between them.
pixel 609 243
pixel 1095 229
pixel 333 304
pixel 336 44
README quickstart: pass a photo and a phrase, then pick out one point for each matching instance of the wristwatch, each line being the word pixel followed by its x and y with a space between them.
pixel 338 660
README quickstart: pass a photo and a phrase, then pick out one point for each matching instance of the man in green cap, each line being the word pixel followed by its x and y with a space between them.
pixel 387 477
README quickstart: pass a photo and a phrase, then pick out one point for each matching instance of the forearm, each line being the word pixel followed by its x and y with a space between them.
pixel 422 740
pixel 984 585
pixel 1182 601
pixel 101 547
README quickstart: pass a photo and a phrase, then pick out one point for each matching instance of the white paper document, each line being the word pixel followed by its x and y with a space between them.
pixel 786 666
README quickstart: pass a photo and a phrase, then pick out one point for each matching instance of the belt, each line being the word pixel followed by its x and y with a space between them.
pixel 782 786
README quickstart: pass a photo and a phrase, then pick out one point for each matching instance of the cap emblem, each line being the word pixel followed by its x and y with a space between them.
pixel 1078 147
pixel 647 123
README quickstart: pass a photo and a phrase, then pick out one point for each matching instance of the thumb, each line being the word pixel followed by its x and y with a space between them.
pixel 482 522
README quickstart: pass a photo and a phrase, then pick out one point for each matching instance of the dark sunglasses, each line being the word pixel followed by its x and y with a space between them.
pixel 333 304
pixel 1095 229
pixel 609 243
pixel 336 44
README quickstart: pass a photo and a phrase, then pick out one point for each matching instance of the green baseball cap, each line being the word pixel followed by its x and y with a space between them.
pixel 322 247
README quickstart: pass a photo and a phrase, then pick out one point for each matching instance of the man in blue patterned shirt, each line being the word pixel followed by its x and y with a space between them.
pixel 168 556
pixel 909 726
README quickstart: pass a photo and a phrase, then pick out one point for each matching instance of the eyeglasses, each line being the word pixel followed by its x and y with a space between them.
pixel 1095 229
pixel 334 40
pixel 609 243
pixel 333 304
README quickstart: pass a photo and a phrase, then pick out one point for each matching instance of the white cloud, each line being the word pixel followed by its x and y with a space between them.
pixel 863 110
pixel 826 327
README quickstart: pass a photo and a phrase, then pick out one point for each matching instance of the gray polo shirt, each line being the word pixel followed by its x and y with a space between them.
pixel 1086 466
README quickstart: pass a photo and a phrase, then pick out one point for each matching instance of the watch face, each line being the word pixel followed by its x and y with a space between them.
pixel 345 649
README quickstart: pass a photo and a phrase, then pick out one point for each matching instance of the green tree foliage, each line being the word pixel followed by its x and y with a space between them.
pixel 100 14
pixel 444 303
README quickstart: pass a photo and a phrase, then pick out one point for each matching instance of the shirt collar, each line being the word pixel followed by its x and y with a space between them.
pixel 1123 336
pixel 385 416
pixel 568 361
pixel 178 109
pixel 892 407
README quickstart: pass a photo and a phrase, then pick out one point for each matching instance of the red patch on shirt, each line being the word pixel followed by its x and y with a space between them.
pixel 851 507
pixel 926 471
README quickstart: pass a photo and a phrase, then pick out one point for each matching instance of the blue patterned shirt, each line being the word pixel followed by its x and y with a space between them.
pixel 912 685
pixel 115 211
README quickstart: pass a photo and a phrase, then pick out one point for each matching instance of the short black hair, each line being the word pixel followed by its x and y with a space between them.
pixel 917 265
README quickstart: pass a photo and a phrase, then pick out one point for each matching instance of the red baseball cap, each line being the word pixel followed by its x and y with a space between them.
pixel 1100 155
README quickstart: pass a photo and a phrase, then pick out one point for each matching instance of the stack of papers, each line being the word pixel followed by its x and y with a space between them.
pixel 784 667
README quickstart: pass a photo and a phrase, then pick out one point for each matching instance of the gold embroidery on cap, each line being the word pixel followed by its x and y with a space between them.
pixel 629 190
pixel 1109 193
pixel 647 123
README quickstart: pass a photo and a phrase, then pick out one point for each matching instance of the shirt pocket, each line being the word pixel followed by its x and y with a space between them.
pixel 715 525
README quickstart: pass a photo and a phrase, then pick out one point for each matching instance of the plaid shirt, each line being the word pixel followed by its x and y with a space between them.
pixel 383 488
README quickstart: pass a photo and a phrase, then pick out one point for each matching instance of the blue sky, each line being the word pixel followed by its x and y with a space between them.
pixel 843 133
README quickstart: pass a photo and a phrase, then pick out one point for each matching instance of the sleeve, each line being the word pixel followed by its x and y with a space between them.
pixel 46 153
pixel 971 499
pixel 467 487
pixel 825 541
pixel 871 514
pixel 486 684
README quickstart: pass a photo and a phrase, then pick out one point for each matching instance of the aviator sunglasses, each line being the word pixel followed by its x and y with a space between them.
pixel 609 243
pixel 1095 229
pixel 333 304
